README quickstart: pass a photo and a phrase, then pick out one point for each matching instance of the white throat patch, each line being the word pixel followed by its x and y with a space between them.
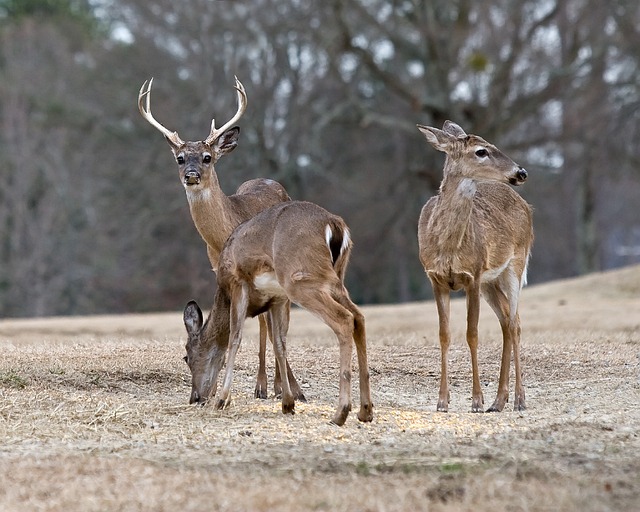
pixel 467 188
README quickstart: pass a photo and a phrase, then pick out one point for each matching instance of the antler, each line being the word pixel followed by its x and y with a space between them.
pixel 242 106
pixel 145 110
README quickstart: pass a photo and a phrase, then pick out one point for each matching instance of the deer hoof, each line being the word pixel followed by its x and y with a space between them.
pixel 496 407
pixel 260 393
pixel 341 415
pixel 288 408
pixel 519 406
pixel 366 413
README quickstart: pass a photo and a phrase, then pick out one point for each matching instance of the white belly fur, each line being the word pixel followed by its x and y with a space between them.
pixel 493 273
pixel 268 284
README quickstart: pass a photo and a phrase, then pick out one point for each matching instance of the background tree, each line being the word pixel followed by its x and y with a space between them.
pixel 93 218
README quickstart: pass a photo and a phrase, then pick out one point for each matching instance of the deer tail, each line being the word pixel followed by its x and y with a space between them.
pixel 339 242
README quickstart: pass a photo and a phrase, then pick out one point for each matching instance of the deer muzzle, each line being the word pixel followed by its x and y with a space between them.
pixel 192 177
pixel 195 398
pixel 519 177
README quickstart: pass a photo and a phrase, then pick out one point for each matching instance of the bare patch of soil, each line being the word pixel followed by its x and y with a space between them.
pixel 94 415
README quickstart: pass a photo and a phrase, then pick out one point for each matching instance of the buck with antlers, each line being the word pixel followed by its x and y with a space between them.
pixel 476 235
pixel 294 251
pixel 215 214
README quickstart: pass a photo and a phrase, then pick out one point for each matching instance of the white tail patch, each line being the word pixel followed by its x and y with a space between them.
pixel 328 235
pixel 346 237
pixel 345 241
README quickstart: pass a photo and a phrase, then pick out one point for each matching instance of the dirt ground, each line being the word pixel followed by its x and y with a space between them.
pixel 94 415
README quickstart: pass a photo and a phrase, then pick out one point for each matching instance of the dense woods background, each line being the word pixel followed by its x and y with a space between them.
pixel 93 217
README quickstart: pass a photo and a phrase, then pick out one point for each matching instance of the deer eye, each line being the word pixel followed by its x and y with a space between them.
pixel 481 152
pixel 180 159
pixel 186 359
pixel 206 158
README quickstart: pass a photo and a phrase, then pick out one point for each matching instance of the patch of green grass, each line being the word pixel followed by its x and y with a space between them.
pixel 362 468
pixel 449 468
pixel 11 379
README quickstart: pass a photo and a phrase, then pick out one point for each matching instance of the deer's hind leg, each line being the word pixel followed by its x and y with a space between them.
pixel 359 336
pixel 502 295
pixel 319 302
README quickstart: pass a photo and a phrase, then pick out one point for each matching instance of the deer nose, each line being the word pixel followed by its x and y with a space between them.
pixel 192 177
pixel 195 397
pixel 521 174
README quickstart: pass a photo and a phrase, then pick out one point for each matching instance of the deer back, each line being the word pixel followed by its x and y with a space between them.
pixel 289 242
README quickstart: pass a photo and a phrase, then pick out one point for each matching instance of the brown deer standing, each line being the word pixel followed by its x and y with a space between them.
pixel 476 235
pixel 294 251
pixel 215 214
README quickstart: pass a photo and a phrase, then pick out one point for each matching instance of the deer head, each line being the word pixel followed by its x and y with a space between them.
pixel 205 351
pixel 470 156
pixel 196 159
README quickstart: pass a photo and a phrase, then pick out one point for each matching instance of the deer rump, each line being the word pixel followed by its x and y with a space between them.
pixel 293 244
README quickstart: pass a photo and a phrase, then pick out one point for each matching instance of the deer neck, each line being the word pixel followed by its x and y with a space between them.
pixel 215 332
pixel 213 216
pixel 453 214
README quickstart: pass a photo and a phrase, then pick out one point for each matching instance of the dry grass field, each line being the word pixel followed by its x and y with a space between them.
pixel 94 415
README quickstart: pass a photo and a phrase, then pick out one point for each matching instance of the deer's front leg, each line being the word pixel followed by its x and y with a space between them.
pixel 473 313
pixel 277 381
pixel 495 296
pixel 279 318
pixel 237 316
pixel 261 380
pixel 441 295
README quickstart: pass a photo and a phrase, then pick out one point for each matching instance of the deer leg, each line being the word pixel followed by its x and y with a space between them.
pixel 359 336
pixel 279 318
pixel 442 298
pixel 295 387
pixel 237 316
pixel 500 305
pixel 473 313
pixel 518 403
pixel 341 322
pixel 277 381
pixel 261 380
pixel 514 286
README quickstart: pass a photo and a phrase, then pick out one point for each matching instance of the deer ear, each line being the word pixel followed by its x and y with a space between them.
pixel 453 129
pixel 192 317
pixel 437 138
pixel 228 141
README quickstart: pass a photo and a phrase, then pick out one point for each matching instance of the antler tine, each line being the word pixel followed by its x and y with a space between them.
pixel 242 106
pixel 144 105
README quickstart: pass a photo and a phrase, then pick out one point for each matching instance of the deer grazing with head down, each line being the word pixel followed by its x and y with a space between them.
pixel 215 214
pixel 294 251
pixel 476 235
